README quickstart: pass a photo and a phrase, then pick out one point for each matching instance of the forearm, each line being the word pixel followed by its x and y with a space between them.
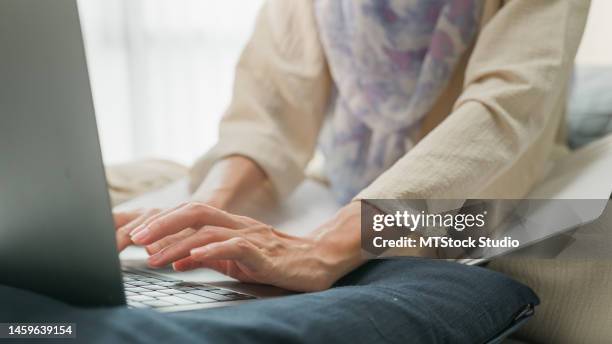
pixel 233 183
pixel 503 126
pixel 279 101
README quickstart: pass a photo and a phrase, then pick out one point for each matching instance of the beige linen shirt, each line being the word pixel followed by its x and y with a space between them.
pixel 489 135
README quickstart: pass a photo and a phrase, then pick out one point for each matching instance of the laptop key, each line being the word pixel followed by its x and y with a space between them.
pixel 136 289
pixel 238 296
pixel 153 287
pixel 149 280
pixel 170 291
pixel 166 284
pixel 136 283
pixel 196 298
pixel 153 294
pixel 157 303
pixel 165 279
pixel 140 298
pixel 188 284
pixel 185 289
pixel 221 291
pixel 210 295
pixel 176 300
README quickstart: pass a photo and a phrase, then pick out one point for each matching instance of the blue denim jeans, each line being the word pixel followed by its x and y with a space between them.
pixel 396 301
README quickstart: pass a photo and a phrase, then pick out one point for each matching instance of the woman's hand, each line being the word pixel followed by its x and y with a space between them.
pixel 235 183
pixel 126 222
pixel 248 250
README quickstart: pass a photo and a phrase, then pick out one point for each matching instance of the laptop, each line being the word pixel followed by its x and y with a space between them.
pixel 57 233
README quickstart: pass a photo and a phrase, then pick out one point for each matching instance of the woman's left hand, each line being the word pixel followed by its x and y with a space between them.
pixel 240 247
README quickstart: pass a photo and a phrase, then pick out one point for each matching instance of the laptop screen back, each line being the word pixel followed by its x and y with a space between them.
pixel 56 229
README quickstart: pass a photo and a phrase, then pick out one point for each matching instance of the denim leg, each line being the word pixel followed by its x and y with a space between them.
pixel 397 301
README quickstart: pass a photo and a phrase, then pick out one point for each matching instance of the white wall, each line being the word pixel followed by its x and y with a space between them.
pixel 596 47
pixel 162 72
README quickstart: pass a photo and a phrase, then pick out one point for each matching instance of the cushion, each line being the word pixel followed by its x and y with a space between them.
pixel 129 180
pixel 575 289
pixel 590 105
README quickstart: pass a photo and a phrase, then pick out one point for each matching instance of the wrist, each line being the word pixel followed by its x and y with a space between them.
pixel 220 198
pixel 232 182
pixel 338 242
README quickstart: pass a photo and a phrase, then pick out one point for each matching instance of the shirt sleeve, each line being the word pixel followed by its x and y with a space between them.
pixel 281 90
pixel 507 115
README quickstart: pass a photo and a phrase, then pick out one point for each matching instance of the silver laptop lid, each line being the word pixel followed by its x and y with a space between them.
pixel 56 229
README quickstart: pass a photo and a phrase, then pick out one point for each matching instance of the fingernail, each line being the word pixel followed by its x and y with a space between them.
pixel 140 236
pixel 179 267
pixel 136 230
pixel 200 251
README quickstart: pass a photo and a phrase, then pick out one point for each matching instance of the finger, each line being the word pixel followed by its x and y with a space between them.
pixel 182 248
pixel 122 237
pixel 122 219
pixel 150 219
pixel 137 221
pixel 123 241
pixel 169 240
pixel 187 264
pixel 238 249
pixel 192 215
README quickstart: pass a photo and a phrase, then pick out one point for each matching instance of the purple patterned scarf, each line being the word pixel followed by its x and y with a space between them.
pixel 390 60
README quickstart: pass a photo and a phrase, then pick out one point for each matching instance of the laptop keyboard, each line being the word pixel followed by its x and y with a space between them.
pixel 143 290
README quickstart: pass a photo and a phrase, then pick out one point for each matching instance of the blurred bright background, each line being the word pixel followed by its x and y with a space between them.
pixel 162 70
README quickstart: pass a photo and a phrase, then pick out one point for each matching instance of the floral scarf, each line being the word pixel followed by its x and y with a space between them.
pixel 390 60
